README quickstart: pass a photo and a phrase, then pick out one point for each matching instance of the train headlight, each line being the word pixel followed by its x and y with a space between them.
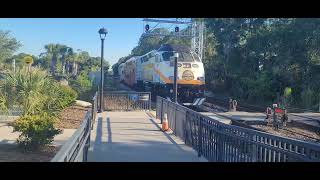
pixel 186 65
pixel 201 79
pixel 195 65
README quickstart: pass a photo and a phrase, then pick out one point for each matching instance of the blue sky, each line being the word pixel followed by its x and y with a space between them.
pixel 78 33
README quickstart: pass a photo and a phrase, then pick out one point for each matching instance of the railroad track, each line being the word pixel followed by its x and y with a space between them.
pixel 250 108
pixel 253 108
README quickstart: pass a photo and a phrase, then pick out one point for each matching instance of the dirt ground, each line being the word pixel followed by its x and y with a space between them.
pixel 72 117
pixel 292 132
pixel 11 153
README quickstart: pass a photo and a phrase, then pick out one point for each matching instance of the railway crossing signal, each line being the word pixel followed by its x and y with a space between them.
pixel 147 27
pixel 176 29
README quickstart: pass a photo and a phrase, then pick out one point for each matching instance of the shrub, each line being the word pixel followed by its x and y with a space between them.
pixel 67 96
pixel 36 130
pixel 83 86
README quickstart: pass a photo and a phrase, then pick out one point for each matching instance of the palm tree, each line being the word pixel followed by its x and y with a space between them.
pixel 54 51
pixel 79 58
pixel 65 52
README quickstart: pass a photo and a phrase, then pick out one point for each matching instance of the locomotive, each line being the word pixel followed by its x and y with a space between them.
pixel 154 71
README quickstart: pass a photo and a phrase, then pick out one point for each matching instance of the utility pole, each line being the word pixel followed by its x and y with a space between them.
pixel 175 77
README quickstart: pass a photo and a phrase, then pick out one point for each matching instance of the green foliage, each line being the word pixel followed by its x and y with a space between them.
pixel 256 58
pixel 67 95
pixel 287 92
pixel 83 86
pixel 8 45
pixel 308 98
pixel 41 98
pixel 36 130
pixel 3 103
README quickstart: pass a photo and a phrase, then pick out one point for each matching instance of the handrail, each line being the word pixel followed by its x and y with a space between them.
pixel 70 151
pixel 214 139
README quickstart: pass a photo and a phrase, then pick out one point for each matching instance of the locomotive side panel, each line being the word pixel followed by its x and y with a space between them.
pixel 130 72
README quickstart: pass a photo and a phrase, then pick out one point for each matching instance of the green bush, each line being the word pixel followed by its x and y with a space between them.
pixel 83 86
pixel 36 130
pixel 67 96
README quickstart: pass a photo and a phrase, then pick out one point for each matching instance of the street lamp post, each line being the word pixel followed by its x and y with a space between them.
pixel 103 32
pixel 175 77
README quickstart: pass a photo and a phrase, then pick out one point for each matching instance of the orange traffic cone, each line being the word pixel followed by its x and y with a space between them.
pixel 165 123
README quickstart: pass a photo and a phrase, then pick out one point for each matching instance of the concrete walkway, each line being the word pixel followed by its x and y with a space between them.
pixel 135 137
pixel 7 136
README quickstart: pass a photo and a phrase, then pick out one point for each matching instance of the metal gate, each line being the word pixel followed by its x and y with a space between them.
pixel 127 101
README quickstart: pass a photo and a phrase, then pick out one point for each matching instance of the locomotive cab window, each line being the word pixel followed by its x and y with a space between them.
pixel 166 55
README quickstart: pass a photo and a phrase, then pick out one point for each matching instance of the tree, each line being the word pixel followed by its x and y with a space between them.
pixel 8 45
pixel 54 51
pixel 66 53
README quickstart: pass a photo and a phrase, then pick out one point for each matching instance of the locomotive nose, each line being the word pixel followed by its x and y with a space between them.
pixel 187 75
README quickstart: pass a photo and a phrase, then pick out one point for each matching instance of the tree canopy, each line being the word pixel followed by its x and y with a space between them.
pixel 256 59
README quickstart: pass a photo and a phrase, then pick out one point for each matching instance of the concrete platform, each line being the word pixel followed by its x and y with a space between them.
pixel 135 137
pixel 311 120
pixel 217 117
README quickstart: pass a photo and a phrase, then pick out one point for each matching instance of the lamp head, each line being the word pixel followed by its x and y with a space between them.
pixel 103 32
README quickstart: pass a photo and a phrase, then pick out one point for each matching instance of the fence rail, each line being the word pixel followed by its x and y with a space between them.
pixel 127 101
pixel 221 142
pixel 76 148
pixel 10 114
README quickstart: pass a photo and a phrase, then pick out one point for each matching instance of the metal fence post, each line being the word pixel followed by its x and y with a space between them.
pixel 219 145
pixel 149 101
pixel 254 149
pixel 161 111
pixel 200 138
pixel 128 102
pixel 175 119
pixel 92 111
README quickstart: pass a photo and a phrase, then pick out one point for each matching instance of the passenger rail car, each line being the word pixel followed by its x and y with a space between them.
pixel 154 72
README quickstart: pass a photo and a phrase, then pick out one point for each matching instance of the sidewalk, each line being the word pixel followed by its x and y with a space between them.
pixel 135 137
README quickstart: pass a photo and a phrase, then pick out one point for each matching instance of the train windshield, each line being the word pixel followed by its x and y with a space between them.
pixel 183 57
pixel 187 57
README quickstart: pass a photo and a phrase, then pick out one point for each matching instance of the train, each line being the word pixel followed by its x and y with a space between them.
pixel 154 71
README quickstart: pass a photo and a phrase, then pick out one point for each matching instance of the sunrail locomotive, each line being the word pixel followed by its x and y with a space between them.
pixel 154 72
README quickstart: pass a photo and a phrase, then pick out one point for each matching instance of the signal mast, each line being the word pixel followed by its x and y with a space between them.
pixel 194 30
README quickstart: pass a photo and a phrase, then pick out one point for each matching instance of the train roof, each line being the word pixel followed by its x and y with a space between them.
pixel 174 47
pixel 132 59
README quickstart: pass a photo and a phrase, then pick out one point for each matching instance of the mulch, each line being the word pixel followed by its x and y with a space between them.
pixel 71 117
pixel 12 153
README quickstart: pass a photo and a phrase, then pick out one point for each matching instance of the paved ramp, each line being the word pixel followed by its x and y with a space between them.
pixel 135 137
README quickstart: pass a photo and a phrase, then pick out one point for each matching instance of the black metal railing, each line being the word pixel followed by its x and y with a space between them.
pixel 221 142
pixel 127 101
pixel 76 148
pixel 94 108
